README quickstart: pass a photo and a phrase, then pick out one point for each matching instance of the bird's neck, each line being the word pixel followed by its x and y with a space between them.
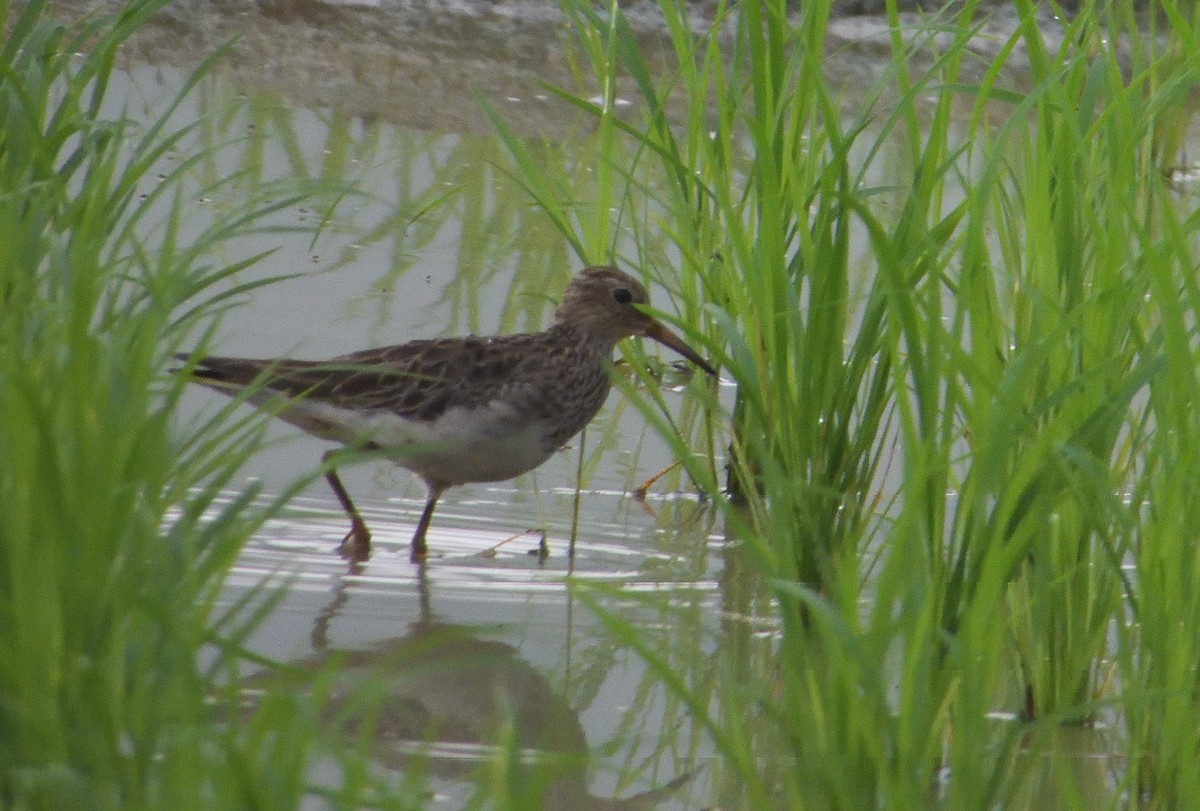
pixel 581 339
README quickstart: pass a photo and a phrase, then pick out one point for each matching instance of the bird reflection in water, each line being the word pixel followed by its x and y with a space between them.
pixel 443 700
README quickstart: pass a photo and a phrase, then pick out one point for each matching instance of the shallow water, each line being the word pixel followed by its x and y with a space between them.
pixel 508 624
pixel 417 233
pixel 433 240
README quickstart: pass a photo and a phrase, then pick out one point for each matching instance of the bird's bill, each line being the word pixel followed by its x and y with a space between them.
pixel 669 339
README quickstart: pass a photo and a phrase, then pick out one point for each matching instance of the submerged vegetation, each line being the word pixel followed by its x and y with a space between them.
pixel 966 389
pixel 960 311
pixel 114 541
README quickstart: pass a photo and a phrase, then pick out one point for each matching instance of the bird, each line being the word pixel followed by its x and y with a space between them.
pixel 456 410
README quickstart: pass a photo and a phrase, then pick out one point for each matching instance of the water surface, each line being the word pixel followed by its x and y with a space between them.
pixel 415 230
pixel 419 235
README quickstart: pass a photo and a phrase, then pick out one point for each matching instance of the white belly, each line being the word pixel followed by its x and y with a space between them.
pixel 463 445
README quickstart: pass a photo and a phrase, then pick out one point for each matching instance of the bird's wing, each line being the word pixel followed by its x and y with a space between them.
pixel 417 380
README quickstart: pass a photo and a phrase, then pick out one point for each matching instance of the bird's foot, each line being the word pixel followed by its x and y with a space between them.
pixel 356 546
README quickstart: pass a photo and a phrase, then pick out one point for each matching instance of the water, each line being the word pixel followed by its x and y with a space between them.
pixel 416 232
pixel 448 635
pixel 414 235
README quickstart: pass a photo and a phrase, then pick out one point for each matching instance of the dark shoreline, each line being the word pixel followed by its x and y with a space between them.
pixel 421 63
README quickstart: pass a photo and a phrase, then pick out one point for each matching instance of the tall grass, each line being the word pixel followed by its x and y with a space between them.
pixel 1019 346
pixel 113 543
pixel 960 313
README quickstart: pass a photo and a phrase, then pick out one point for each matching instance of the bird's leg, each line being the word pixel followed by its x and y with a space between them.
pixel 419 550
pixel 357 543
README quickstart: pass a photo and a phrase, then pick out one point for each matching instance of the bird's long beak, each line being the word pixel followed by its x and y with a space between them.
pixel 669 339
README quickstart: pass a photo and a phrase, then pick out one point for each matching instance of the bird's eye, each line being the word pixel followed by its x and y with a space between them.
pixel 622 295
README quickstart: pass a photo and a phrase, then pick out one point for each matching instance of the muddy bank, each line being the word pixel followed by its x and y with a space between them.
pixel 421 63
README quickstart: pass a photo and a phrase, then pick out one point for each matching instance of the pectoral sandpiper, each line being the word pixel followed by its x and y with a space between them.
pixel 457 410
